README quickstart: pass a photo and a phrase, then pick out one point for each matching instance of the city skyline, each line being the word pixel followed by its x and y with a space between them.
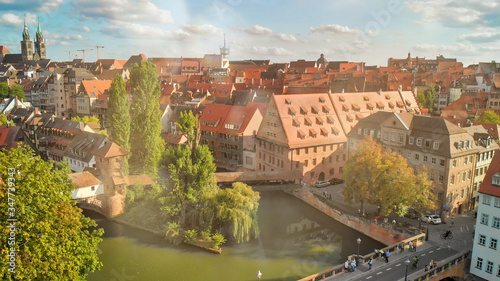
pixel 276 30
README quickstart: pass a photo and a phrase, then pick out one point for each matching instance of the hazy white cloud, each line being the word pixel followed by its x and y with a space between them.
pixel 123 10
pixel 332 28
pixel 455 12
pixel 257 30
pixel 17 21
pixel 43 6
pixel 273 51
pixel 49 5
pixel 205 29
pixel 285 37
pixel 134 30
pixel 438 49
pixel 480 37
pixel 75 37
pixel 85 29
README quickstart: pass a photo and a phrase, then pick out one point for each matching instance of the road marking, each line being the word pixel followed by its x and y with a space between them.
pixel 438 248
pixel 398 264
pixel 369 277
pixel 378 273
pixel 422 255
pixel 461 229
pixel 388 269
pixel 467 227
pixel 430 252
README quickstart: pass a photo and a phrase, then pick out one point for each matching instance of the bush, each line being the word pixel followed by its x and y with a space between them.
pixel 174 233
pixel 190 235
pixel 206 235
pixel 217 240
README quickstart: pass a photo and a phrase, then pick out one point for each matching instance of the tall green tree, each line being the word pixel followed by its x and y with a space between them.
pixel 489 117
pixel 428 97
pixel 4 90
pixel 17 91
pixel 52 240
pixel 118 115
pixel 146 144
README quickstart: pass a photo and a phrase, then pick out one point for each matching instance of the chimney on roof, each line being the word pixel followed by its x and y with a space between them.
pixel 52 118
pixel 37 111
pixel 400 88
pixel 342 90
pixel 380 92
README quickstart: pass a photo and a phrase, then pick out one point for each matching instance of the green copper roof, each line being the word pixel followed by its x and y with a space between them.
pixel 26 33
pixel 39 30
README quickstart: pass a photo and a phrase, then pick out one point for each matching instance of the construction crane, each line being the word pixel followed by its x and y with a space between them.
pixel 69 54
pixel 97 49
pixel 83 52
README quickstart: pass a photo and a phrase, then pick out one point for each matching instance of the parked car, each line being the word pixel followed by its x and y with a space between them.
pixel 336 181
pixel 412 214
pixel 322 183
pixel 434 219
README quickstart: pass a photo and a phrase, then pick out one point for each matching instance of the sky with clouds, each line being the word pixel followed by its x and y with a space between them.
pixel 279 30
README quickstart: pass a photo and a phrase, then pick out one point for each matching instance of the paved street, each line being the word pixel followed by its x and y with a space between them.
pixel 436 248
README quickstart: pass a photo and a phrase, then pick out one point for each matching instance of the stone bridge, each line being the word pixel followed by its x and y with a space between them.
pixel 93 203
pixel 454 268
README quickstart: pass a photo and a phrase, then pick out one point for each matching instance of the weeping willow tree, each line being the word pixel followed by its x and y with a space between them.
pixel 237 208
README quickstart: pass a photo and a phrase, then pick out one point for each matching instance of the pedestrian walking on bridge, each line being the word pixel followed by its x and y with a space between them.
pixel 387 254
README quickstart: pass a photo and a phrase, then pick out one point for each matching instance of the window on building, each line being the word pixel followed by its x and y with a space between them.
pixel 425 158
pixel 493 243
pixel 463 176
pixel 431 176
pixel 401 138
pixel 435 145
pixel 486 200
pixel 417 156
pixel 332 171
pixel 452 180
pixel 479 263
pixel 497 202
pixel 482 240
pixel 386 136
pixel 498 271
pixel 484 219
pixel 410 140
pixel 496 222
pixel 489 267
pixel 433 160
pixel 441 178
pixel 393 137
pixel 442 162
pixel 454 163
pixel 419 142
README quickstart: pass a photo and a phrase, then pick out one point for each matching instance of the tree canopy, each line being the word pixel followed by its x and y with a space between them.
pixel 86 119
pixel 12 91
pixel 146 144
pixel 384 178
pixel 3 119
pixel 118 115
pixel 52 239
pixel 428 97
pixel 489 117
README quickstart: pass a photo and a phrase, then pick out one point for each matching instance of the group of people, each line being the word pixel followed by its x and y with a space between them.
pixel 327 195
pixel 350 266
pixel 431 265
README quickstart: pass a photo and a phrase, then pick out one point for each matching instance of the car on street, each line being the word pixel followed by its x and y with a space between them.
pixel 322 184
pixel 335 181
pixel 434 219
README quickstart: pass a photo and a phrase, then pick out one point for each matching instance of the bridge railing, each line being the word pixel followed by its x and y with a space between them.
pixel 339 269
pixel 453 261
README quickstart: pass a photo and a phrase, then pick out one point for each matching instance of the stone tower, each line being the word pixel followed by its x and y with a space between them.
pixel 40 51
pixel 27 44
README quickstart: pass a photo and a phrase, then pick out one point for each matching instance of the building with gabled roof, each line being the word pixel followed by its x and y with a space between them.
pixel 485 261
pixel 80 152
pixel 450 153
pixel 229 131
pixel 303 133
pixel 86 185
pixel 88 93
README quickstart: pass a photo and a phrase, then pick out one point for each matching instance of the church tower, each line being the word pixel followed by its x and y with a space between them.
pixel 26 44
pixel 40 51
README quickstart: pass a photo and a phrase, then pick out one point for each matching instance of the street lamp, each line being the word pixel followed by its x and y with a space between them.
pixel 427 231
pixel 359 242
pixel 407 262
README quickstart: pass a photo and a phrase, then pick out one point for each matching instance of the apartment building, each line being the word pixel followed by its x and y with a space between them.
pixel 485 261
pixel 449 152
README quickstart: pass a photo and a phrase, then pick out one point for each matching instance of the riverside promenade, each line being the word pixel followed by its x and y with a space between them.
pixel 434 249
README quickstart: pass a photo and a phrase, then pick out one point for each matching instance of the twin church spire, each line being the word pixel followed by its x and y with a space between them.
pixel 39 52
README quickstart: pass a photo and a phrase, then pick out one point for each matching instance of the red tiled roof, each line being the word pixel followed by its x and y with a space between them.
pixel 110 149
pixel 84 179
pixel 95 88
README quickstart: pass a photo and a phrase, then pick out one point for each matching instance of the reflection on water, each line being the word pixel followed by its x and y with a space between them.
pixel 295 240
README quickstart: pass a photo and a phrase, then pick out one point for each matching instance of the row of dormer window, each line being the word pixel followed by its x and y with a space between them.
pixel 424 142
